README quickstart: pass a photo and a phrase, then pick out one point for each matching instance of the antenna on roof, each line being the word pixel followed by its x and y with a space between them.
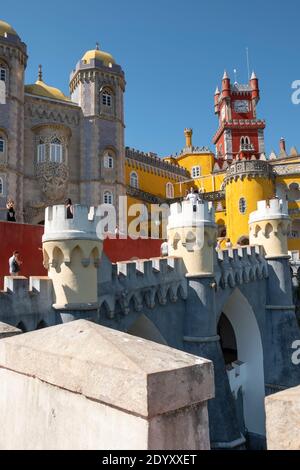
pixel 248 65
pixel 97 46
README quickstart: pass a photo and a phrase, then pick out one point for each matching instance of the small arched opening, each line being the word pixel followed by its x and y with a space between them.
pixel 243 241
pixel 21 326
pixel 41 324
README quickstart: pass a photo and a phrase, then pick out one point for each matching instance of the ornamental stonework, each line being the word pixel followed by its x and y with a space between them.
pixel 53 179
pixel 252 168
pixel 287 169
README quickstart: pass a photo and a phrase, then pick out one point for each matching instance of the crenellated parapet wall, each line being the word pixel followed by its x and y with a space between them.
pixel 26 302
pixel 142 283
pixel 269 226
pixel 239 266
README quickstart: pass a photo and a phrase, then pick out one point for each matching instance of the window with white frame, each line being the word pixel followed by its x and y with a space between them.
pixel 134 180
pixel 108 161
pixel 1 187
pixel 169 190
pixel 196 172
pixel 56 151
pixel 107 98
pixel 107 197
pixel 41 152
pixel 242 205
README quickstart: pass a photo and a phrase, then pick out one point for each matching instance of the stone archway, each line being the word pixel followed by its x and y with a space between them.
pixel 145 328
pixel 249 372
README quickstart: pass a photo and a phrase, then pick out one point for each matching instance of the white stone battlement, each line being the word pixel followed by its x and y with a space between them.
pixel 187 214
pixel 82 226
pixel 270 209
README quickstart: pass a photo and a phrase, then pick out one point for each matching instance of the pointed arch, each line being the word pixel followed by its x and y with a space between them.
pixel 21 325
pixel 250 352
pixel 268 230
pixel 41 324
pixel 145 328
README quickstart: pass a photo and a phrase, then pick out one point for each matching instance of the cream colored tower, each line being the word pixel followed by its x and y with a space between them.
pixel 269 226
pixel 192 236
pixel 72 252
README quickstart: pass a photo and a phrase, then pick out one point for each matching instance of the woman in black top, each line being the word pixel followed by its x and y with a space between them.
pixel 11 213
pixel 68 204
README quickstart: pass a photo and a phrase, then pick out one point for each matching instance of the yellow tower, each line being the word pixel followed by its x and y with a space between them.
pixel 246 183
pixel 72 252
pixel 192 236
pixel 269 226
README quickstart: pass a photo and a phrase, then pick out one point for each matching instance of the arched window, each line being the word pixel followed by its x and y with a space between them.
pixel 242 205
pixel 2 145
pixel 41 152
pixel 107 197
pixel 108 161
pixel 245 143
pixel 3 72
pixel 1 187
pixel 3 149
pixel 134 180
pixel 169 190
pixel 3 82
pixel 56 151
pixel 107 98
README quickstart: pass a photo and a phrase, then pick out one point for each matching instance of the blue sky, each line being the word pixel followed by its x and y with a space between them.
pixel 173 53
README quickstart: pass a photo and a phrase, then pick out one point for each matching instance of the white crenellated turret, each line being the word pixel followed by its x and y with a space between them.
pixel 192 235
pixel 82 226
pixel 269 226
pixel 72 252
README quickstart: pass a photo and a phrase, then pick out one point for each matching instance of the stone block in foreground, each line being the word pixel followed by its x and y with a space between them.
pixel 83 386
pixel 283 420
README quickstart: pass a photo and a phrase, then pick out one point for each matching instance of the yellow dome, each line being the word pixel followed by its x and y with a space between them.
pixel 6 28
pixel 40 88
pixel 105 57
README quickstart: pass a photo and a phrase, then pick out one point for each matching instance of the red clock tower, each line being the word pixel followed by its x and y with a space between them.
pixel 240 134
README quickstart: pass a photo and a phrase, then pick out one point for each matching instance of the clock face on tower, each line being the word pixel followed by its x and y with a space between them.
pixel 241 106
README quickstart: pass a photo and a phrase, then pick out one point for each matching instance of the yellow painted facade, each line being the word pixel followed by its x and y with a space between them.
pixel 232 216
pixel 251 190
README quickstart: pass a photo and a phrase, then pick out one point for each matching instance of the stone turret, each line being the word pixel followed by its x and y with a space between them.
pixel 72 252
pixel 269 226
pixel 191 235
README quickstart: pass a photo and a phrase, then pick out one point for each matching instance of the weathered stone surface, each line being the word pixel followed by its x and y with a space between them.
pixel 83 386
pixel 7 330
pixel 111 367
pixel 283 420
